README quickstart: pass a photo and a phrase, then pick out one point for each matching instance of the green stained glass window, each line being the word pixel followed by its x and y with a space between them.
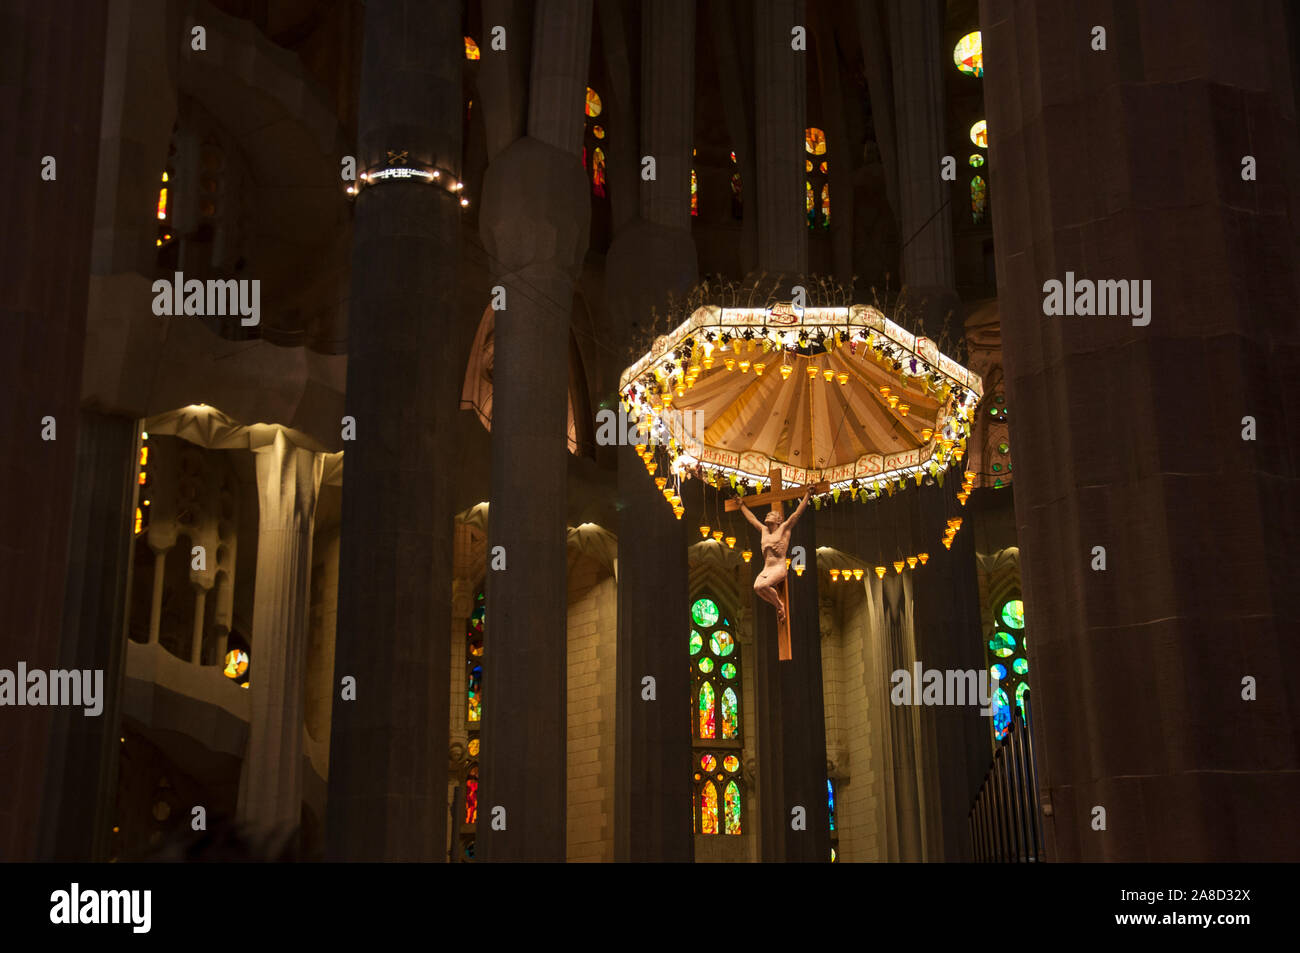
pixel 732 809
pixel 979 199
pixel 1020 666
pixel 704 612
pixel 1021 691
pixel 1000 699
pixel 976 160
pixel 1003 644
pixel 1013 614
pixel 721 643
pixel 731 763
pixel 728 670
pixel 1004 447
pixel 730 719
pixel 697 642
pixel 706 665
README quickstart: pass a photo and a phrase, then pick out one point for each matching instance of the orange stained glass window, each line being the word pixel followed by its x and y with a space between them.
pixel 709 808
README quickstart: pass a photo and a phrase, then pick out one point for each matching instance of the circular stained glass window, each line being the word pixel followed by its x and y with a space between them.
pixel 473 747
pixel 721 643
pixel 1020 666
pixel 728 670
pixel 704 612
pixel 708 762
pixel 979 134
pixel 697 642
pixel 1004 447
pixel 1002 644
pixel 731 762
pixel 998 671
pixel 968 54
pixel 976 160
pixel 706 665
pixel 1013 614
pixel 598 132
pixel 236 663
pixel 997 468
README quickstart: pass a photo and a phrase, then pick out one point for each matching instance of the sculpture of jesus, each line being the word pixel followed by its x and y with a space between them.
pixel 775 543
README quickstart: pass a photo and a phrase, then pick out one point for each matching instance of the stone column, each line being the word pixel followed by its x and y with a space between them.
pixel 156 591
pixel 270 788
pixel 388 763
pixel 200 610
pixel 83 751
pixel 651 257
pixel 53 95
pixel 792 727
pixel 534 220
pixel 1130 437
pixel 780 78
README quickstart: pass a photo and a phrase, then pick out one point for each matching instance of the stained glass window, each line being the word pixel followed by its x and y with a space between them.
pixel 695 194
pixel 593 103
pixel 737 192
pixel 976 160
pixel 474 663
pixel 598 171
pixel 1020 666
pixel 968 54
pixel 715 720
pixel 474 629
pixel 1003 644
pixel 709 808
pixel 1008 639
pixel 979 199
pixel 830 812
pixel 598 131
pixel 1013 614
pixel 826 203
pixel 814 141
pixel 979 134
pixel 236 663
pixel 162 199
pixel 708 710
pixel 816 185
pixel 471 49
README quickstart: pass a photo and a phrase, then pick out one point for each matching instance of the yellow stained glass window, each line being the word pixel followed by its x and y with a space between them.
pixel 968 54
pixel 979 134
pixel 593 102
pixel 471 49
pixel 814 141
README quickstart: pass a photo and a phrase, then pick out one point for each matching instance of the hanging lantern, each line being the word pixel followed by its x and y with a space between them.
pixel 884 390
pixel 731 363
pixel 661 482
pixel 920 475
pixel 835 575
pixel 926 434
pixel 898 566
pixel 842 378
pixel 829 375
pixel 708 362
pixel 911 562
pixel 717 535
pixel 924 557
pixel 731 542
pixel 904 408
pixel 880 572
pixel 958 454
pixel 893 401
pixel 798 570
pixel 651 468
pixel 812 372
pixel 746 555
pixel 678 511
pixel 704 532
pixel 786 371
pixel 744 367
pixel 947 543
pixel 676 500
pixel 681 390
pixel 857 574
pixel 694 371
pixel 970 476
pixel 758 368
pixel 787 564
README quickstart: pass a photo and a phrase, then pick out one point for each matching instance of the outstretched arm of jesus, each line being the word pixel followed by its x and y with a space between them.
pixel 751 517
pixel 798 510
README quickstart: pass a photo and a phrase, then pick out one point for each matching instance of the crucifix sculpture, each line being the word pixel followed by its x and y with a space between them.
pixel 774 539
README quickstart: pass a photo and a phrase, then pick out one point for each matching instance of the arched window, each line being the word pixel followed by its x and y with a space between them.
pixel 968 54
pixel 716 721
pixel 593 138
pixel 1008 644
pixel 817 184
pixel 979 199
pixel 737 191
pixel 473 720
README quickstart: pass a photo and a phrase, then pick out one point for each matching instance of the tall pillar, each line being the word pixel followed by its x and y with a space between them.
pixel 388 747
pixel 649 259
pixel 792 729
pixel 781 88
pixel 81 772
pixel 54 95
pixel 534 220
pixel 1130 437
pixel 270 788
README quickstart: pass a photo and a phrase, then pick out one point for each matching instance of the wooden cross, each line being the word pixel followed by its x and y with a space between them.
pixel 776 496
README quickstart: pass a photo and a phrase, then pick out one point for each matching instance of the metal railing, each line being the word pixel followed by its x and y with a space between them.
pixel 1005 822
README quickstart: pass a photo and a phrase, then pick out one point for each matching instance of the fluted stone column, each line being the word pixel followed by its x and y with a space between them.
pixel 534 221
pixel 1131 437
pixel 270 789
pixel 650 258
pixel 83 751
pixel 791 720
pixel 781 83
pixel 388 762
pixel 51 97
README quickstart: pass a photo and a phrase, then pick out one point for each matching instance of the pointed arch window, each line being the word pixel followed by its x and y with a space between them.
pixel 817 189
pixel 716 725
